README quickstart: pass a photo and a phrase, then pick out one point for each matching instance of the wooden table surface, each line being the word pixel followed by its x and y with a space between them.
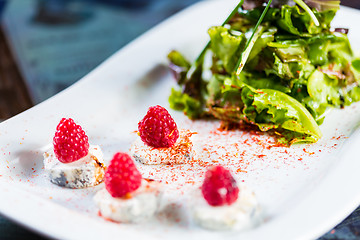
pixel 14 97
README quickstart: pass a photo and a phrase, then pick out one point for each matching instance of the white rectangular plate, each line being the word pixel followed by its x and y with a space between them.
pixel 304 190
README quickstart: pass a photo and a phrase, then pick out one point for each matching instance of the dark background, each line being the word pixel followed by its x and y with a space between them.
pixel 15 97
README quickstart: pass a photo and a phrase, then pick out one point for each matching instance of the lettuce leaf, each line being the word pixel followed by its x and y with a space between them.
pixel 226 46
pixel 272 109
pixel 320 5
pixel 327 90
pixel 294 70
pixel 323 5
pixel 299 23
pixel 179 66
pixel 183 102
pixel 259 81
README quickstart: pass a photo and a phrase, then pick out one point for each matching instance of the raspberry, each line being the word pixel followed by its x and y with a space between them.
pixel 158 129
pixel 219 187
pixel 70 141
pixel 122 176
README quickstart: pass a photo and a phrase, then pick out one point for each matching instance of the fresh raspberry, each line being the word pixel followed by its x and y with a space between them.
pixel 122 176
pixel 219 187
pixel 70 141
pixel 158 129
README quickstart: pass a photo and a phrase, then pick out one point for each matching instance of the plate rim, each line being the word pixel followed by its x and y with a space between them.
pixel 346 210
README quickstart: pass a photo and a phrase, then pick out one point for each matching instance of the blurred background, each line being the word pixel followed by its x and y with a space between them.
pixel 47 45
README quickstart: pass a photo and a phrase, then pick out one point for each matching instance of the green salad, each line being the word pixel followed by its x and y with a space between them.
pixel 274 64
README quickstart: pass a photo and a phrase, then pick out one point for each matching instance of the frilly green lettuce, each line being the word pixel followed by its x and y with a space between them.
pixel 293 69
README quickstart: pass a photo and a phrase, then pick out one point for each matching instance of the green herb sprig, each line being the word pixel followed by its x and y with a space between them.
pixel 199 59
pixel 251 41
pixel 308 11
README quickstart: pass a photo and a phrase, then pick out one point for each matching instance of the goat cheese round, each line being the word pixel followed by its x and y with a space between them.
pixel 243 214
pixel 85 172
pixel 180 153
pixel 133 208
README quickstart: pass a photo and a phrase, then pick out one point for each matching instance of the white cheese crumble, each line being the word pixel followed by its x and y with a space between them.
pixel 85 172
pixel 141 205
pixel 180 153
pixel 243 214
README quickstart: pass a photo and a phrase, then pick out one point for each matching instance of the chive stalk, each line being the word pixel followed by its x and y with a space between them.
pixel 198 60
pixel 308 11
pixel 251 41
